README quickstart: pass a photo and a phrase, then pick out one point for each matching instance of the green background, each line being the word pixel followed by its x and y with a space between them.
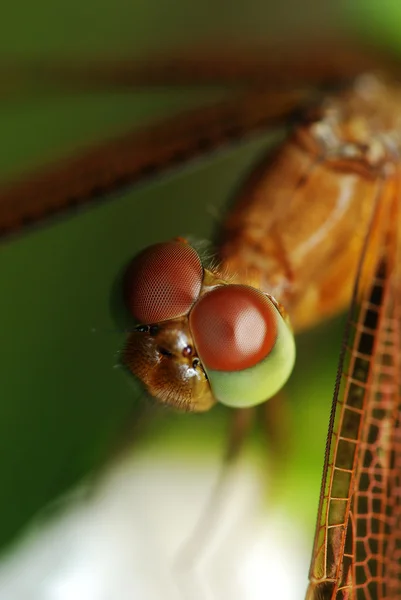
pixel 63 405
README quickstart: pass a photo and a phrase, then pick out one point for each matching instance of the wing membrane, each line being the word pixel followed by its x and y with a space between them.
pixel 357 548
pixel 274 66
pixel 279 77
pixel 140 154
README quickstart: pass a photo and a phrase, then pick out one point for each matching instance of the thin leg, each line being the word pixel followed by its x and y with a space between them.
pixel 239 428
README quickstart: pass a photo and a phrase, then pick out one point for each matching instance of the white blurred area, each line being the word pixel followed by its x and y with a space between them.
pixel 122 541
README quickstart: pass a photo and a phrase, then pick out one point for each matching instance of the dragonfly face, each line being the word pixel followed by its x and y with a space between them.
pixel 202 338
pixel 315 228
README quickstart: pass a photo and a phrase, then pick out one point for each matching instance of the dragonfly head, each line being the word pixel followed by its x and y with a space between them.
pixel 164 358
pixel 201 338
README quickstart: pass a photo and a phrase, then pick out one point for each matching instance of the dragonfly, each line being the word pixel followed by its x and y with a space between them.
pixel 316 228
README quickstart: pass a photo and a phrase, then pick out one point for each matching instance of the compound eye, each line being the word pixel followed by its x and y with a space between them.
pixel 163 281
pixel 234 327
pixel 246 347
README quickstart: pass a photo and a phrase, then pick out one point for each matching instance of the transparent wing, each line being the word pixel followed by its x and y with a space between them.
pixel 141 154
pixel 275 65
pixel 357 550
pixel 281 81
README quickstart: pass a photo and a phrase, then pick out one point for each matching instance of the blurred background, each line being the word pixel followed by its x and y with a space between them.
pixel 87 509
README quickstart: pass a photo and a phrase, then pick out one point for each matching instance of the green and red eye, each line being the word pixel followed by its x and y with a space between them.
pixel 246 347
pixel 163 282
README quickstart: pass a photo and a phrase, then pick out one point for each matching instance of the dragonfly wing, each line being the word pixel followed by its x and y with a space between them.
pixel 357 550
pixel 281 81
pixel 286 63
pixel 141 154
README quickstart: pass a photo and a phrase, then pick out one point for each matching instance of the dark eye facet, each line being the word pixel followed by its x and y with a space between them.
pixel 163 282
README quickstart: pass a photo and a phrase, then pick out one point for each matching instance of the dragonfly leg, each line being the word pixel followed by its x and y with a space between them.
pixel 276 422
pixel 240 426
pixel 275 418
pixel 190 554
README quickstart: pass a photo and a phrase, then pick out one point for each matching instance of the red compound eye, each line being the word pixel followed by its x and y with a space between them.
pixel 163 282
pixel 234 327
